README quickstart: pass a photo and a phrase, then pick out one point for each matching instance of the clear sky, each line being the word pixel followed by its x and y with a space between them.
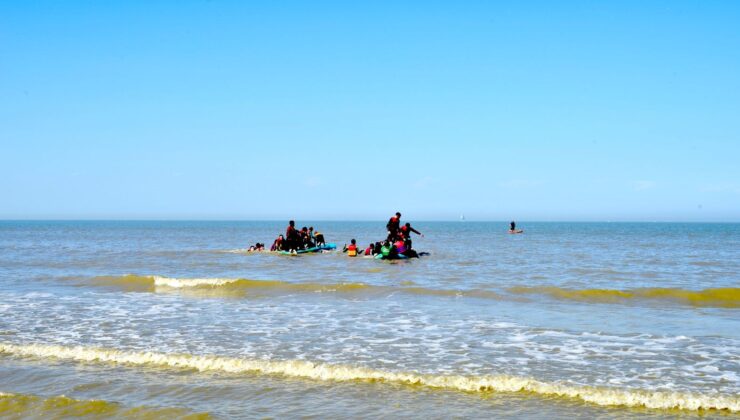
pixel 323 110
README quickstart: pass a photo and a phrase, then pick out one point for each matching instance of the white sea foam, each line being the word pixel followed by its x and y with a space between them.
pixel 235 251
pixel 176 283
pixel 328 372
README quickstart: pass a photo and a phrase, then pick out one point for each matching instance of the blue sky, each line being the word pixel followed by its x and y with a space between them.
pixel 324 110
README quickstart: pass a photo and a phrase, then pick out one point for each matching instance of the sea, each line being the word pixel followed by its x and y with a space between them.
pixel 175 319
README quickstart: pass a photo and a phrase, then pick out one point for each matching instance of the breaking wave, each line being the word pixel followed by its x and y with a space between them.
pixel 720 297
pixel 240 287
pixel 32 406
pixel 327 372
pixel 245 287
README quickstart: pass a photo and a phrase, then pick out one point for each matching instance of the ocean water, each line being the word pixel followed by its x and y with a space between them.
pixel 175 319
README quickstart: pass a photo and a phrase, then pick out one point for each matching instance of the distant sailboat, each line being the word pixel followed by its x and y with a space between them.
pixel 462 217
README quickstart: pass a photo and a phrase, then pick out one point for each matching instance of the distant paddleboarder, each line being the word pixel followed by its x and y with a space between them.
pixel 512 228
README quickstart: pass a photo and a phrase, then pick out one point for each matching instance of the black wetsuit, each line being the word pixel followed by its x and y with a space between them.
pixel 376 248
pixel 410 253
pixel 406 231
pixel 292 239
pixel 320 239
pixel 393 225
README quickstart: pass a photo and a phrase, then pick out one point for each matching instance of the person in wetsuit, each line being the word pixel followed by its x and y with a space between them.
pixel 406 231
pixel 278 244
pixel 393 225
pixel 306 241
pixel 377 248
pixel 513 229
pixel 410 252
pixel 393 253
pixel 319 239
pixel 292 238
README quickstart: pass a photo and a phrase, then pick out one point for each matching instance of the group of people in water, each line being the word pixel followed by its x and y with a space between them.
pixel 295 239
pixel 396 245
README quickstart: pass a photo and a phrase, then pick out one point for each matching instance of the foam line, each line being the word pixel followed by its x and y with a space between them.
pixel 327 372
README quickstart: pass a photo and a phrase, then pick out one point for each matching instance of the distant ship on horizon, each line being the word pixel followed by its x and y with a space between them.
pixel 462 217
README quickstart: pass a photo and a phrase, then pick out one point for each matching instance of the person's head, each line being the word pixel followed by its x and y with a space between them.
pixel 353 242
pixel 398 214
pixel 408 225
pixel 292 223
pixel 305 229
pixel 310 229
pixel 386 243
pixel 280 237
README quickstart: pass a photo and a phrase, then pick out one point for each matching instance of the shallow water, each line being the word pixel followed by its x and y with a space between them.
pixel 566 320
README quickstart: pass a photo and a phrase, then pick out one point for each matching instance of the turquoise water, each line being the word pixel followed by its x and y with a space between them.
pixel 567 319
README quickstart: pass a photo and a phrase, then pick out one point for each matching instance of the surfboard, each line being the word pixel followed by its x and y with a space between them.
pixel 326 247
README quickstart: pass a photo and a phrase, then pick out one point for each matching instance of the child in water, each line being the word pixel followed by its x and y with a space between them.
pixel 351 250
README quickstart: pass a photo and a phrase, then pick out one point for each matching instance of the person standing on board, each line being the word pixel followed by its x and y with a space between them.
pixel 393 226
pixel 291 237
pixel 512 228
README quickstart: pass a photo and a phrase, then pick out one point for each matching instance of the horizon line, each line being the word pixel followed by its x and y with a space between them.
pixel 367 220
